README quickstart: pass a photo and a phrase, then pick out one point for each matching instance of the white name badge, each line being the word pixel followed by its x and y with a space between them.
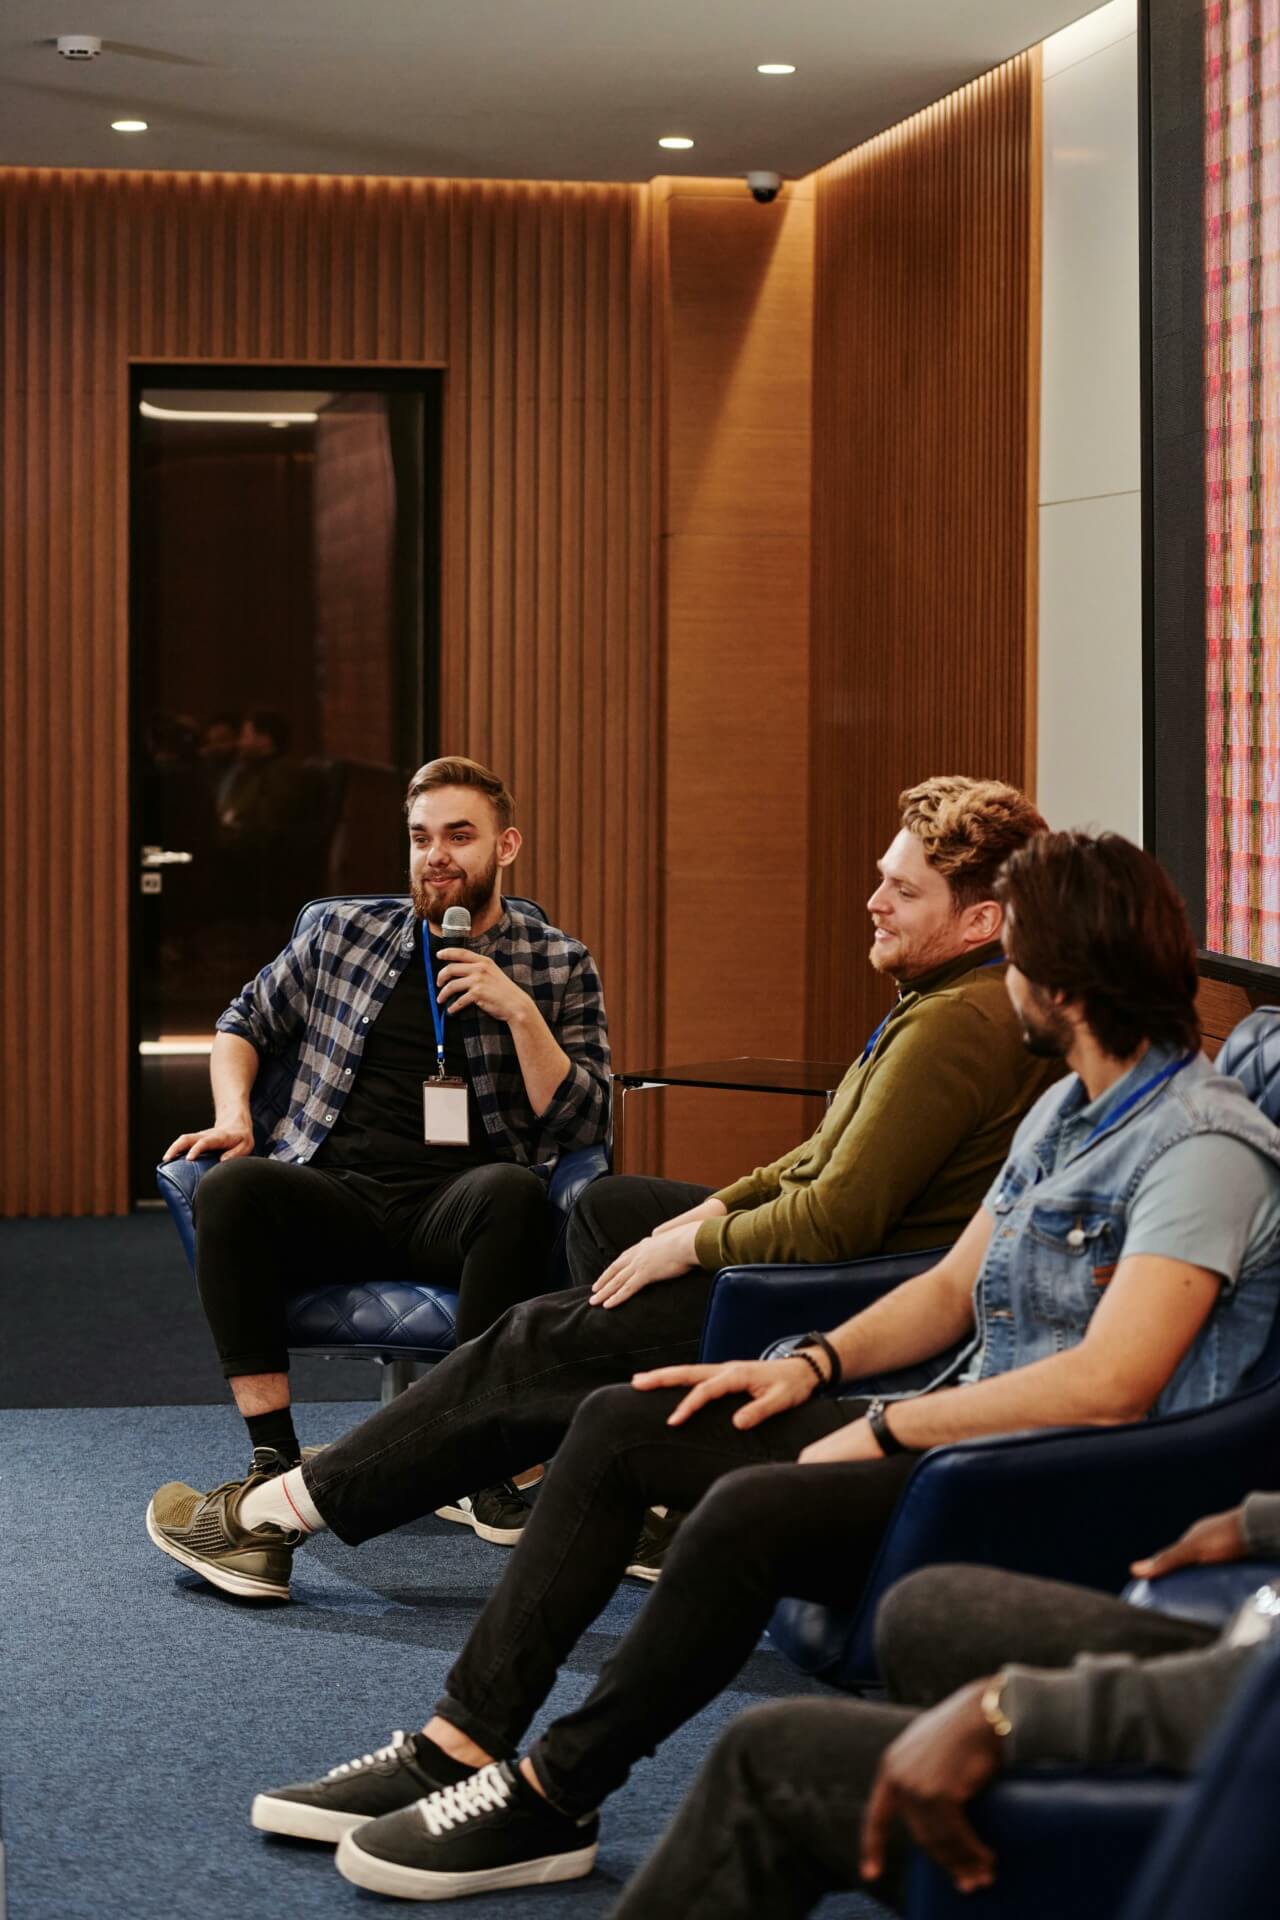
pixel 445 1121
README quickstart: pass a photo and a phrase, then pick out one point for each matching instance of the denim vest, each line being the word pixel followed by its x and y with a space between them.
pixel 1060 1210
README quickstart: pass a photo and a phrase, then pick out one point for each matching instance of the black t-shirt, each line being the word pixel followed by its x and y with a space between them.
pixel 379 1131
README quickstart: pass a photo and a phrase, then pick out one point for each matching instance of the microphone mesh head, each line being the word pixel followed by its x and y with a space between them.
pixel 456 920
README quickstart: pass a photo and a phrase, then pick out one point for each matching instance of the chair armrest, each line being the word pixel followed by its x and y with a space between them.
pixel 1208 1594
pixel 572 1173
pixel 751 1307
pixel 1071 1503
pixel 1066 1844
pixel 176 1181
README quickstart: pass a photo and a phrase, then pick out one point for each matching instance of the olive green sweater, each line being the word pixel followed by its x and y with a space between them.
pixel 911 1142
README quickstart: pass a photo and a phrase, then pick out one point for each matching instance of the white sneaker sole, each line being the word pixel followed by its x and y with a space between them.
pixel 417 1883
pixel 463 1517
pixel 637 1572
pixel 243 1585
pixel 300 1822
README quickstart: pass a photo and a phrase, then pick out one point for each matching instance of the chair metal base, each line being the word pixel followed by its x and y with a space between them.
pixel 396 1376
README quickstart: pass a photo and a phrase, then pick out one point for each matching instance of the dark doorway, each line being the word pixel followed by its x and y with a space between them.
pixel 284 598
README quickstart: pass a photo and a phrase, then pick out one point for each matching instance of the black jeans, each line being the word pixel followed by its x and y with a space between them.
pixel 266 1229
pixel 772 1823
pixel 760 1526
pixel 507 1397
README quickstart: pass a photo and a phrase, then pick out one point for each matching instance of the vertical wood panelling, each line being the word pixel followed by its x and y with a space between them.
pixel 537 300
pixel 735 541
pixel 926 403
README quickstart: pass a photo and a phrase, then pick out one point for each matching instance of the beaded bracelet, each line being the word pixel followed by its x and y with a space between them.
pixel 834 1384
pixel 798 1353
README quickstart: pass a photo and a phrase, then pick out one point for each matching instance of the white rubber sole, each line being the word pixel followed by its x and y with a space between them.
pixel 416 1883
pixel 648 1574
pixel 300 1822
pixel 463 1517
pixel 243 1585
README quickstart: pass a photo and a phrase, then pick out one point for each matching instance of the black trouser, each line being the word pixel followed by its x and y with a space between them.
pixel 266 1229
pixel 773 1821
pixel 760 1527
pixel 506 1398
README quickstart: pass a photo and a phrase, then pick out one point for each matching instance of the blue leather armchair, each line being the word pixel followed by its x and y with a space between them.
pixel 1067 1503
pixel 1072 1843
pixel 390 1318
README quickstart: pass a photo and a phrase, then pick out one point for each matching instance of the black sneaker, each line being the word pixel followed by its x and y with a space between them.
pixel 490 1831
pixel 358 1790
pixel 656 1535
pixel 496 1513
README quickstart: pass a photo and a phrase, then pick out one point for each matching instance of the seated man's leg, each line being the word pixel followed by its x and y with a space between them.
pixel 773 1821
pixel 614 1213
pixel 507 1397
pixel 491 1407
pixel 489 1229
pixel 760 1531
pixel 944 1626
pixel 264 1228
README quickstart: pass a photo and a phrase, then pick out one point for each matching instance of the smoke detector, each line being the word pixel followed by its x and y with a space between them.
pixel 78 46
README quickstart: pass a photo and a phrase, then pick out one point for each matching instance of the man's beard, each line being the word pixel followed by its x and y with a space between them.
pixel 1046 1035
pixel 475 895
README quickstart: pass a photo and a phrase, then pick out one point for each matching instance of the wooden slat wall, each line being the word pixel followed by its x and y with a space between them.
pixel 735 553
pixel 926 324
pixel 537 299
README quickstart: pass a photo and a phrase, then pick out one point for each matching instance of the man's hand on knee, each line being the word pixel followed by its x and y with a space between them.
pixel 771 1386
pixel 926 1778
pixel 650 1260
pixel 228 1142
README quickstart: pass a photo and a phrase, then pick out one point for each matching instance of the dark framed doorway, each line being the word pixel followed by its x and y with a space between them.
pixel 284 680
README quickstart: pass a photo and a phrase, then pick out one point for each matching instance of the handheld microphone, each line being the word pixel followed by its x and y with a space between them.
pixel 457 921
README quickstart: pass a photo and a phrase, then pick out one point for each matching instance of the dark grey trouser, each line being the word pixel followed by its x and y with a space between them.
pixel 772 1823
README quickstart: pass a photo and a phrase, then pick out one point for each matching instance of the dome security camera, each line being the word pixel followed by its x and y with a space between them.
pixel 764 187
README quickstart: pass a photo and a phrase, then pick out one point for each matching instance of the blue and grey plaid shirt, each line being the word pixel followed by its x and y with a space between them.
pixel 323 993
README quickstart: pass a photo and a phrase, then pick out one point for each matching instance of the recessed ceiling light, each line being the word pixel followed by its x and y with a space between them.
pixel 775 66
pixel 128 126
pixel 677 141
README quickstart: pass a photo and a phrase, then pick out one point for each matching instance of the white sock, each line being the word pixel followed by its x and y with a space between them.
pixel 284 1502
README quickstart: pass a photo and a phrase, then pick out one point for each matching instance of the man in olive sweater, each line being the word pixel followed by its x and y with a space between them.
pixel 801 1797
pixel 918 1129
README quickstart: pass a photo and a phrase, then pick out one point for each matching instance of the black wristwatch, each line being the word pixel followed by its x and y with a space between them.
pixel 877 1418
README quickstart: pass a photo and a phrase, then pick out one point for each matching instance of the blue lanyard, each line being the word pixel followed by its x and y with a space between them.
pixel 1131 1100
pixel 869 1049
pixel 437 1011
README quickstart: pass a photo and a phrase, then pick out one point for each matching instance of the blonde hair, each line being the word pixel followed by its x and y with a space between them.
pixel 968 829
pixel 456 771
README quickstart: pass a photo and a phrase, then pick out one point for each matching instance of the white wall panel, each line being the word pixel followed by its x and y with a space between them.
pixel 1090 696
pixel 1089 744
pixel 1090 420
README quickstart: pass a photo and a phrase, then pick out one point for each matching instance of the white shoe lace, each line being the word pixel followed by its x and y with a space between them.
pixel 389 1752
pixel 483 1792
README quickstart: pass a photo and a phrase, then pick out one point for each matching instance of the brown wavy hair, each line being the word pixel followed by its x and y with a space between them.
pixel 456 771
pixel 968 829
pixel 1095 918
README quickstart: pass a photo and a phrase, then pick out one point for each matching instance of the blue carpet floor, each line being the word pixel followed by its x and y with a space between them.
pixel 142 1711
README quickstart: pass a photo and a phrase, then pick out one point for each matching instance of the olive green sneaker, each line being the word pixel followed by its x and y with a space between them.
pixel 201 1531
